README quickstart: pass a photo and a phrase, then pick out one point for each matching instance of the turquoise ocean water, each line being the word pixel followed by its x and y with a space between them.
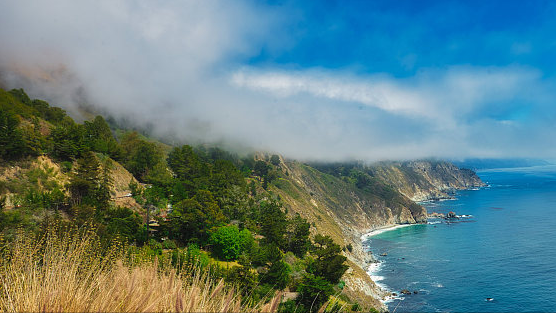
pixel 506 250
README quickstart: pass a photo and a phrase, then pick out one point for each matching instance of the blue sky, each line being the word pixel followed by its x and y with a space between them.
pixel 401 37
pixel 327 80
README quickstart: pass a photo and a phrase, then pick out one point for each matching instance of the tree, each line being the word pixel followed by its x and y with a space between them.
pixel 298 236
pixel 98 137
pixel 185 163
pixel 35 142
pixel 160 175
pixel 278 273
pixel 244 277
pixel 261 168
pixel 314 292
pixel 192 218
pixel 67 139
pixel 235 203
pixel 123 222
pixel 273 222
pixel 246 240
pixel 224 175
pixel 329 263
pixel 226 243
pixel 52 114
pixel 189 170
pixel 275 160
pixel 89 184
pixel 140 156
pixel 12 144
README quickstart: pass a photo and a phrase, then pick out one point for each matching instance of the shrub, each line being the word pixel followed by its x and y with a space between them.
pixel 169 244
pixel 226 243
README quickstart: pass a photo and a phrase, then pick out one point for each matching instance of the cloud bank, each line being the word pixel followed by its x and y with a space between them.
pixel 182 67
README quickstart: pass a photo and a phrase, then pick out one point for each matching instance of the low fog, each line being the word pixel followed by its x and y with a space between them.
pixel 182 67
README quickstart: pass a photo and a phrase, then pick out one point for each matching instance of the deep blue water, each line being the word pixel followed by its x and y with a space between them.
pixel 505 251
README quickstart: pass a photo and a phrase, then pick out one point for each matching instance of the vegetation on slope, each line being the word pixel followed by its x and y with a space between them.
pixel 416 180
pixel 185 199
pixel 69 270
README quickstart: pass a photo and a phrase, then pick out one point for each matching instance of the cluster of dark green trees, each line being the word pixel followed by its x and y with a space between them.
pixel 214 200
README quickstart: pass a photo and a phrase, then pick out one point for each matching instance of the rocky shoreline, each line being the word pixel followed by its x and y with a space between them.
pixel 374 265
pixel 343 211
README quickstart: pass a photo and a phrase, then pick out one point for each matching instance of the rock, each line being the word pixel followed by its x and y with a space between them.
pixel 415 292
pixel 436 214
pixel 405 292
pixel 384 254
pixel 394 294
pixel 451 214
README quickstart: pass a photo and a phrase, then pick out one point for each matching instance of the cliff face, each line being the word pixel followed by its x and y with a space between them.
pixel 345 209
pixel 425 180
pixel 341 210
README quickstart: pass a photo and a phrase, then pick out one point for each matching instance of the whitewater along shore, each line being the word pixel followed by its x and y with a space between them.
pixel 387 295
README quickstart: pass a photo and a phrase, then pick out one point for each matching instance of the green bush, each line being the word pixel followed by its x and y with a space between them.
pixel 194 256
pixel 170 244
pixel 246 240
pixel 226 243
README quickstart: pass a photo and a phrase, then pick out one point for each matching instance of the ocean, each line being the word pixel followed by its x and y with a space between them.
pixel 505 250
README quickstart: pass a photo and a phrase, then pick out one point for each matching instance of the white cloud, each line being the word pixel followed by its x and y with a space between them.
pixel 177 65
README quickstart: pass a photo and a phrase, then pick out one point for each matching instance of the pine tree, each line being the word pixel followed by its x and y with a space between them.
pixel 12 144
pixel 329 263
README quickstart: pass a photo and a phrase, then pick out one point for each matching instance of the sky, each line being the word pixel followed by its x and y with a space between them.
pixel 311 80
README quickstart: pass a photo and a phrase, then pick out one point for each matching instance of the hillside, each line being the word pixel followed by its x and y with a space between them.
pixel 263 222
pixel 345 212
pixel 347 200
pixel 425 180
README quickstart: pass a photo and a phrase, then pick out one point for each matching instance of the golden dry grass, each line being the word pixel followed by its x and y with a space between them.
pixel 65 271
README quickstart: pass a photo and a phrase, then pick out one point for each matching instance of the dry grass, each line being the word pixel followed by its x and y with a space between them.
pixel 66 272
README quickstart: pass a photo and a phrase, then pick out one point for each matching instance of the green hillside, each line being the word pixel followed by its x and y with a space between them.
pixel 260 222
pixel 164 201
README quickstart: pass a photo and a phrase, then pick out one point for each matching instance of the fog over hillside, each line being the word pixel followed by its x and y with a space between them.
pixel 189 69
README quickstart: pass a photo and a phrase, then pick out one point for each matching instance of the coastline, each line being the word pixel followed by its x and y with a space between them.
pixel 374 267
pixel 389 295
pixel 383 229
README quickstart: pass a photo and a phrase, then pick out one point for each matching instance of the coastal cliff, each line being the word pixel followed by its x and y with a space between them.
pixel 346 202
pixel 339 208
pixel 425 180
